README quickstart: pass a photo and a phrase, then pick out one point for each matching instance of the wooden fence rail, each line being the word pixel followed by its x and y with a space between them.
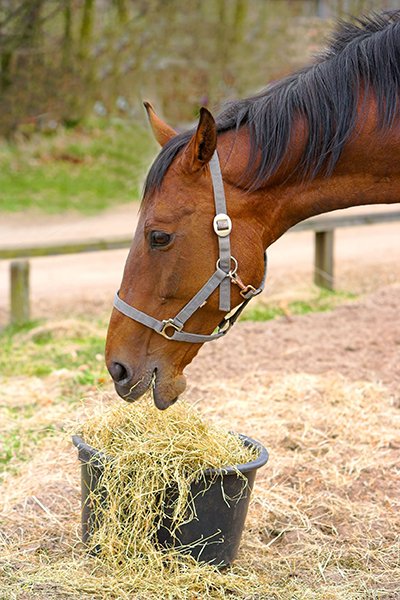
pixel 322 226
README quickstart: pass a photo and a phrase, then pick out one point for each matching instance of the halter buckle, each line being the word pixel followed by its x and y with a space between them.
pixel 226 324
pixel 167 323
pixel 222 224
pixel 247 289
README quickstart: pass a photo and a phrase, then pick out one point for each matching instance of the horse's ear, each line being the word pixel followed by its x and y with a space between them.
pixel 203 143
pixel 162 132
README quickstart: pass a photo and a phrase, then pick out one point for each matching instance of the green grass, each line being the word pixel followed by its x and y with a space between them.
pixel 324 300
pixel 87 170
pixel 17 447
pixel 40 348
pixel 38 351
pixel 70 359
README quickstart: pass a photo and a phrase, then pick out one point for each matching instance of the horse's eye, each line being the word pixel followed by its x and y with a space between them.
pixel 158 239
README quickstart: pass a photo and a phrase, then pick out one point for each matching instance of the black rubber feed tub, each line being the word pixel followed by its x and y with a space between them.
pixel 221 508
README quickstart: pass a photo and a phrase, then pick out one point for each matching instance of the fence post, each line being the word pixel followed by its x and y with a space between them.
pixel 19 292
pixel 323 261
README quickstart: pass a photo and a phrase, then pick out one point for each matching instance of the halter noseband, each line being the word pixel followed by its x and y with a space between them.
pixel 225 274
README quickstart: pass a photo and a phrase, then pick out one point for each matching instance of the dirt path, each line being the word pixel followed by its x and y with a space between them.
pixel 358 341
pixel 366 258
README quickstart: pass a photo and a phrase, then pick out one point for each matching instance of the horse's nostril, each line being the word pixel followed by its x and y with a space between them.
pixel 118 372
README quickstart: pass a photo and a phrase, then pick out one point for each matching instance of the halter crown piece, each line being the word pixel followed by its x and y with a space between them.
pixel 225 274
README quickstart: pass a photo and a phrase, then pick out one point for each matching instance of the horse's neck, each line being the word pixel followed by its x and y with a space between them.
pixel 293 203
pixel 368 172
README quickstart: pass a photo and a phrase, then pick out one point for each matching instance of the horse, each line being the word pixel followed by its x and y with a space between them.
pixel 216 197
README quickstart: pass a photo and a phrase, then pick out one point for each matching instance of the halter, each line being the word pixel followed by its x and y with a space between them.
pixel 225 274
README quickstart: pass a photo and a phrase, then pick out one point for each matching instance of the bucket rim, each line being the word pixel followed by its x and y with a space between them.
pixel 96 456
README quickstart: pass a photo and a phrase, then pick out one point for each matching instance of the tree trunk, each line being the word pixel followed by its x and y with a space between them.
pixel 5 65
pixel 239 20
pixel 122 11
pixel 86 27
pixel 67 38
pixel 32 26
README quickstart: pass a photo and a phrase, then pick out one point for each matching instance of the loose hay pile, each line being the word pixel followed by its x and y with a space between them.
pixel 323 523
pixel 149 453
pixel 152 460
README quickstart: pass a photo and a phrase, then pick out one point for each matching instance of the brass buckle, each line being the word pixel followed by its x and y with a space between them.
pixel 169 323
pixel 248 288
pixel 244 289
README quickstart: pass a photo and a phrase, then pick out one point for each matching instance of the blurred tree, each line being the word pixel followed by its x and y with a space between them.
pixel 86 32
pixel 122 11
pixel 32 20
pixel 67 37
pixel 60 57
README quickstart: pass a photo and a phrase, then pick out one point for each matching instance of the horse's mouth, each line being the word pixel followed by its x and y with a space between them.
pixel 132 391
pixel 166 390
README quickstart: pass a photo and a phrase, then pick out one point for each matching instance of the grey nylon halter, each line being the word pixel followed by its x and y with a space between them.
pixel 225 274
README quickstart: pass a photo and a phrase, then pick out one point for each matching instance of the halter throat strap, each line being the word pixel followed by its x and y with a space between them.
pixel 225 274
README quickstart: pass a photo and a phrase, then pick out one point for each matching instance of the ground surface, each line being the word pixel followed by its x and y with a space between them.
pixel 358 340
pixel 321 391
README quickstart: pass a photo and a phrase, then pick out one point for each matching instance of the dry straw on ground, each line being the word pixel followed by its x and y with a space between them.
pixel 323 524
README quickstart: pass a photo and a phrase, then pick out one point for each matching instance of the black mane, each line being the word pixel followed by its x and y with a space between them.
pixel 365 51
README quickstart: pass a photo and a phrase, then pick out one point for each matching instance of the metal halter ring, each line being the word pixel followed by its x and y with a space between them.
pixel 231 272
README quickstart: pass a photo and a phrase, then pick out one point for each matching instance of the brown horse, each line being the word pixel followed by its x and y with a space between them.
pixel 324 138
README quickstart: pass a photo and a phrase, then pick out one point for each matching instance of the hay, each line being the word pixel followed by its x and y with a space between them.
pixel 150 452
pixel 323 523
pixel 153 459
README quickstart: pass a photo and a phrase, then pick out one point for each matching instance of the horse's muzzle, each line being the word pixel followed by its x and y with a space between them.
pixel 166 389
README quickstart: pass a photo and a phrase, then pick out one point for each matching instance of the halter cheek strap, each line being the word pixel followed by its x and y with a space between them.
pixel 225 274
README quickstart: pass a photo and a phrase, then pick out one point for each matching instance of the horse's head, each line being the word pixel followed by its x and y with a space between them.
pixel 174 253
